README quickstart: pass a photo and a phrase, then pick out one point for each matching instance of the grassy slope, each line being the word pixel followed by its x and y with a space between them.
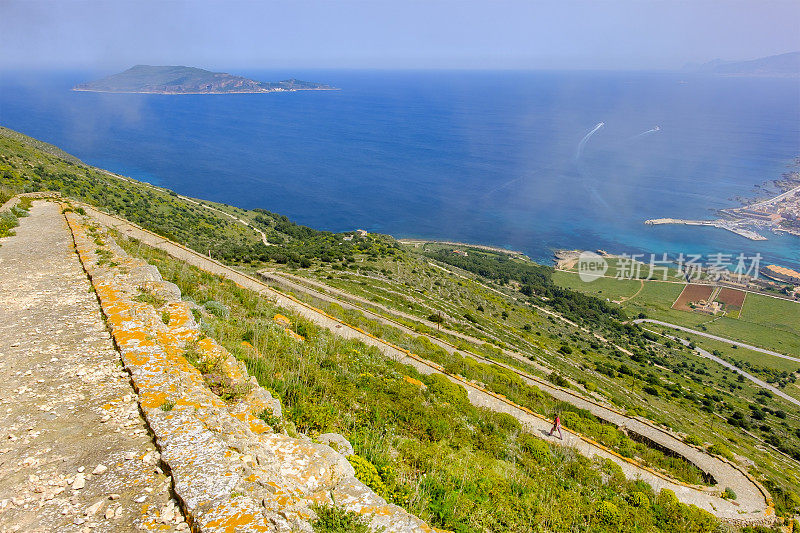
pixel 403 279
pixel 456 466
pixel 681 378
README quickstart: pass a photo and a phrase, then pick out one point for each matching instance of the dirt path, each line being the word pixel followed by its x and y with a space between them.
pixel 191 201
pixel 345 299
pixel 632 296
pixel 751 505
pixel 75 454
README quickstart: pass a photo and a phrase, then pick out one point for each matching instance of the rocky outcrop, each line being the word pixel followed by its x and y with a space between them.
pixel 231 470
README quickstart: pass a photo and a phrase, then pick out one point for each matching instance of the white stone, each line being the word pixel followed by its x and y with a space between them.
pixel 99 469
pixel 167 513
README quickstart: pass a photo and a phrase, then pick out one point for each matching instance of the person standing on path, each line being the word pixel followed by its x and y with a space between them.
pixel 557 426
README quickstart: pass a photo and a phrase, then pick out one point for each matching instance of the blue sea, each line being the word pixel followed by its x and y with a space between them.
pixel 485 157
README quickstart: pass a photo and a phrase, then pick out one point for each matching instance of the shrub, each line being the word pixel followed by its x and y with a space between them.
pixel 436 318
pixel 607 513
pixel 721 449
pixel 446 390
pixel 338 520
pixel 368 474
pixel 217 309
pixel 535 447
pixel 728 494
pixel 7 223
pixel 557 379
pixel 691 439
pixel 639 499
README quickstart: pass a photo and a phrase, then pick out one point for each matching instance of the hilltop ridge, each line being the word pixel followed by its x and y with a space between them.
pixel 780 65
pixel 151 79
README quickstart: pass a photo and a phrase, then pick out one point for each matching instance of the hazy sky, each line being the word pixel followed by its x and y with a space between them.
pixel 114 35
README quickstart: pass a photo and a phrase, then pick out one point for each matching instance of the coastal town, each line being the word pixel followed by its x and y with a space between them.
pixel 778 214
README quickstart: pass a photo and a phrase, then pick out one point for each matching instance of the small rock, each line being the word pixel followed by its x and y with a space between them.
pixel 105 418
pixel 130 456
pixel 81 468
pixel 167 513
pixel 92 509
pixel 140 499
pixel 78 521
pixel 99 469
pixel 114 496
pixel 79 482
pixel 110 513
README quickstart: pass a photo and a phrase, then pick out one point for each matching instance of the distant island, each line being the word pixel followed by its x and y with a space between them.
pixel 190 80
pixel 781 66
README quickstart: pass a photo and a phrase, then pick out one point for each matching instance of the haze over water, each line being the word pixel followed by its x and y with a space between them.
pixel 484 157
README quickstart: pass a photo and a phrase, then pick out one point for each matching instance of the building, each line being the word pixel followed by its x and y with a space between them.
pixel 780 273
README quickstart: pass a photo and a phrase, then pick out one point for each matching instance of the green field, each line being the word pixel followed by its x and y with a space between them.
pixel 766 322
pixel 772 312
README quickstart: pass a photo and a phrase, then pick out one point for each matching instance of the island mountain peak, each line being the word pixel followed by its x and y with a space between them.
pixel 189 80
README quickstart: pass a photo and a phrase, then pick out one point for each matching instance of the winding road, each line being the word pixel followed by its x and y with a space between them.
pixel 753 504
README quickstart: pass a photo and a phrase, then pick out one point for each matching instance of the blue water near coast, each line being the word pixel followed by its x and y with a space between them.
pixel 484 157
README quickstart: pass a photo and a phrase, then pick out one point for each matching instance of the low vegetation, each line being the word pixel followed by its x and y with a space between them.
pixel 417 440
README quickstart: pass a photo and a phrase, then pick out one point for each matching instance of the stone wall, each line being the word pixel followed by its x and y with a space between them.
pixel 231 470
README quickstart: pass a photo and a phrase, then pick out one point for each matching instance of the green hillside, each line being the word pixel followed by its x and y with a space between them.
pixel 425 447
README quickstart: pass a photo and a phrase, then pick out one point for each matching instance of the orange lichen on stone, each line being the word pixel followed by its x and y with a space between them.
pixel 294 335
pixel 235 520
pixel 412 381
pixel 282 320
pixel 216 448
